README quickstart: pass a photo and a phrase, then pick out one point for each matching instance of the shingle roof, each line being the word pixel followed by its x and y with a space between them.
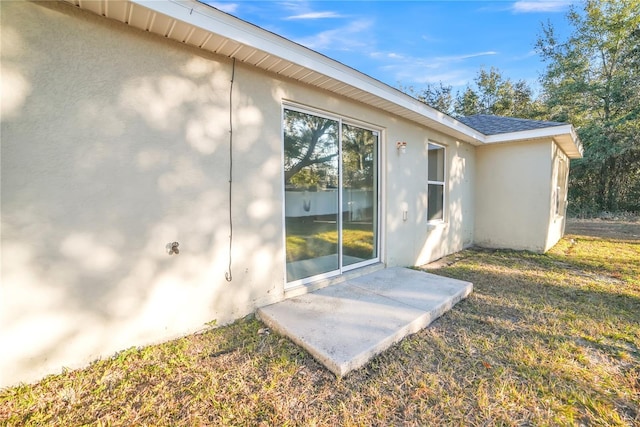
pixel 494 125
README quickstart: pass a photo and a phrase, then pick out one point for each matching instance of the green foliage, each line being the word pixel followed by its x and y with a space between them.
pixel 468 103
pixel 309 142
pixel 491 93
pixel 437 96
pixel 311 152
pixel 592 80
pixel 358 151
pixel 496 95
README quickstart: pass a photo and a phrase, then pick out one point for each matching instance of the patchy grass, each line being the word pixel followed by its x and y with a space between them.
pixel 543 340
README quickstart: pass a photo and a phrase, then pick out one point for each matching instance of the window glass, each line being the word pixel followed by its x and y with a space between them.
pixel 561 188
pixel 435 208
pixel 311 149
pixel 436 182
pixel 436 163
pixel 331 195
pixel 359 194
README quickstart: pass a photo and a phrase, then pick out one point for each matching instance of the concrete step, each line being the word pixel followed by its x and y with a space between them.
pixel 343 326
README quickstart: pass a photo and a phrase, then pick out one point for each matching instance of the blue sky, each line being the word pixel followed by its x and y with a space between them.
pixel 412 43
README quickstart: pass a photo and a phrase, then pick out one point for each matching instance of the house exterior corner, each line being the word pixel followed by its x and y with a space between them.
pixel 151 187
pixel 521 194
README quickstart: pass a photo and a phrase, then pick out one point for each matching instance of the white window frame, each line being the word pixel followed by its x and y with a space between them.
pixel 561 187
pixel 441 183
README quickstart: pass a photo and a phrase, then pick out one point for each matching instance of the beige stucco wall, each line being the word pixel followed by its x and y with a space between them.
pixel 513 195
pixel 115 143
pixel 404 181
pixel 416 241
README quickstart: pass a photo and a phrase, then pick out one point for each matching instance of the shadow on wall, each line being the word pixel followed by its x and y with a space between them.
pixel 400 191
pixel 115 143
pixel 414 239
pixel 457 231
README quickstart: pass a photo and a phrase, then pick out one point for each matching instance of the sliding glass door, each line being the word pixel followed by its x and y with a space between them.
pixel 331 195
pixel 311 180
pixel 359 195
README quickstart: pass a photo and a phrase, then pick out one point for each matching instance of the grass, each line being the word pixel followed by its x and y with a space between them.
pixel 548 339
pixel 311 240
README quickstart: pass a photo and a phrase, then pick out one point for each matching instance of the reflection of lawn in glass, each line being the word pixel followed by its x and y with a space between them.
pixel 307 240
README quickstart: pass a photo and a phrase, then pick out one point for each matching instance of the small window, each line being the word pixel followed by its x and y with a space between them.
pixel 560 195
pixel 436 181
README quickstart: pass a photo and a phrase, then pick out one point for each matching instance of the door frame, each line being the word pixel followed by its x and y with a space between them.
pixel 379 131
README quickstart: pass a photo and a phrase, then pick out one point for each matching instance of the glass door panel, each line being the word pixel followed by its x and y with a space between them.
pixel 311 164
pixel 359 195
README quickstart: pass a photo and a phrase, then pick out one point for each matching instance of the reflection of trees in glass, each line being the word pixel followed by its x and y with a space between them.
pixel 358 177
pixel 341 216
pixel 310 149
pixel 357 157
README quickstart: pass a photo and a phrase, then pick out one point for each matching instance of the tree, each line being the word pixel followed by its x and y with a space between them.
pixel 496 95
pixel 310 142
pixel 491 93
pixel 592 80
pixel 468 103
pixel 437 96
pixel 357 156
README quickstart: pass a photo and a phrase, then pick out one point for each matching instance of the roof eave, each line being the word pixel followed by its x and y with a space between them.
pixel 215 31
pixel 248 34
pixel 250 44
pixel 563 135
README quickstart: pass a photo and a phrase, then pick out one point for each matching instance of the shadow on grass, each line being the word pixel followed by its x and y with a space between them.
pixel 567 335
pixel 534 344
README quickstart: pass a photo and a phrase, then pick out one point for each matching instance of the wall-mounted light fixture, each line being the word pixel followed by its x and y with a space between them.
pixel 401 146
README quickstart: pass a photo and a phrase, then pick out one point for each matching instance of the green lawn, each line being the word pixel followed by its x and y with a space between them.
pixel 307 240
pixel 543 340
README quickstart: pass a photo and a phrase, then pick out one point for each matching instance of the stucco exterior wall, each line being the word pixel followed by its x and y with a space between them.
pixel 513 195
pixel 431 241
pixel 115 142
pixel 404 180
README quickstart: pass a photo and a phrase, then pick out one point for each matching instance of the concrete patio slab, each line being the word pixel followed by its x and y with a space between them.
pixel 345 325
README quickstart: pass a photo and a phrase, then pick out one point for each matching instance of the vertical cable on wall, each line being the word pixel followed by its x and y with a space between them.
pixel 228 275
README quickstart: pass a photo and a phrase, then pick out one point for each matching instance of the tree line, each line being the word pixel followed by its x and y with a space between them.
pixel 591 80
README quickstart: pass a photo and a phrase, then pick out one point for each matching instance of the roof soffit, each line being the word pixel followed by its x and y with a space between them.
pixel 196 24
